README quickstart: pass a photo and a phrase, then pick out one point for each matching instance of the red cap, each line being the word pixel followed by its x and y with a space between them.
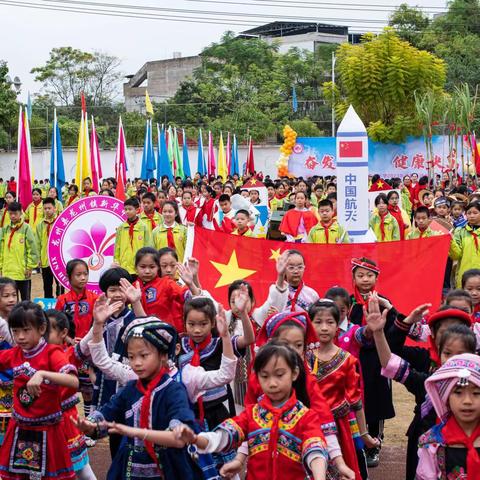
pixel 450 313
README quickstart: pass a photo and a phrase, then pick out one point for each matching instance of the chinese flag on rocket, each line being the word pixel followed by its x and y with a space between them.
pixel 225 258
pixel 351 149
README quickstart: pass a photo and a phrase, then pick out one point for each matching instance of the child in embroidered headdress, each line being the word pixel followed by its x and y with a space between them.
pixel 154 401
pixel 285 440
pixel 450 449
pixel 377 389
pixel 411 366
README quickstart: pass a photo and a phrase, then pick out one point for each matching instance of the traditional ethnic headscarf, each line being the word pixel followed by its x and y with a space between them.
pixel 164 338
pixel 460 370
pixel 275 321
pixel 161 335
pixel 441 315
pixel 360 263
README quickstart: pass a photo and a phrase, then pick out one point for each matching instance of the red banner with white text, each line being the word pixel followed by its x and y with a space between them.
pixel 411 271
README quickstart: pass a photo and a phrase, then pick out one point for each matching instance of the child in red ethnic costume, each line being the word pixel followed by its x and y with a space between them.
pixel 60 327
pixel 296 331
pixel 285 440
pixel 78 304
pixel 337 371
pixel 35 444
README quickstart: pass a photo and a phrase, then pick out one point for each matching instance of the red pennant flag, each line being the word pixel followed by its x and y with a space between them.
pixel 351 149
pixel 84 103
pixel 250 165
pixel 226 258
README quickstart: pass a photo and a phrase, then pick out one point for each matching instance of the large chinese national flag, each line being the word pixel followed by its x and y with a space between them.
pixel 411 271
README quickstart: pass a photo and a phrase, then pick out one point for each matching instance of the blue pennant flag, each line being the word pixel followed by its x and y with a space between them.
pixel 186 161
pixel 148 157
pixel 294 99
pixel 163 163
pixel 234 158
pixel 57 168
pixel 200 158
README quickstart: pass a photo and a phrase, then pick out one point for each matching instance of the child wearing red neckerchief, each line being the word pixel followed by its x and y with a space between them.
pixel 202 347
pixel 131 236
pixel 377 389
pixel 450 449
pixel 291 442
pixel 162 296
pixel 78 304
pixel 187 210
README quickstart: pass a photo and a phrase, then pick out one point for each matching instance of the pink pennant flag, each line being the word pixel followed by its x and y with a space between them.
pixel 24 175
pixel 229 155
pixel 121 163
pixel 95 163
pixel 211 156
pixel 250 166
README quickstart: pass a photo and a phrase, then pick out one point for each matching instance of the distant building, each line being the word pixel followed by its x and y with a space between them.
pixel 161 78
pixel 301 34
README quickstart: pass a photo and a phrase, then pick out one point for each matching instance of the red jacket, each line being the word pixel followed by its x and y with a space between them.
pixel 80 307
pixel 164 298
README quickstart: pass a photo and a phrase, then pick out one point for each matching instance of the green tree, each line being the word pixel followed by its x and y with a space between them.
pixel 8 107
pixel 245 86
pixel 455 37
pixel 69 71
pixel 379 78
pixel 409 23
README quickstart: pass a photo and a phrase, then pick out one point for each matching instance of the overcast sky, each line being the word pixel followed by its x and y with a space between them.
pixel 27 34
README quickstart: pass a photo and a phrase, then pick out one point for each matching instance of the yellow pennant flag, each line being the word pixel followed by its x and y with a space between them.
pixel 222 161
pixel 83 167
pixel 148 103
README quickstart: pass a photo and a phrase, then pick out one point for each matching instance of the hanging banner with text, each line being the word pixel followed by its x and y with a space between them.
pixel 317 156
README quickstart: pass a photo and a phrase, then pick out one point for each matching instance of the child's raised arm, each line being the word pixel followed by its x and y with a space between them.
pixel 166 439
pixel 187 276
pixel 197 379
pixel 376 322
pixel 241 302
pixel 134 296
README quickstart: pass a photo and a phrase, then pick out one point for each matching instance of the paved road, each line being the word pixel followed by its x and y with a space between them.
pixel 392 466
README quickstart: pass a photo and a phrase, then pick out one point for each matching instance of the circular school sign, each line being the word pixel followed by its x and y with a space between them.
pixel 86 229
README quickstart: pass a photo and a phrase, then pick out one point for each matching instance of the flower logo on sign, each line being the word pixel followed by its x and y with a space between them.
pixel 92 246
pixel 298 148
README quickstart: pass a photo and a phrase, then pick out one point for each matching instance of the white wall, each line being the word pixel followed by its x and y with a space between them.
pixel 265 159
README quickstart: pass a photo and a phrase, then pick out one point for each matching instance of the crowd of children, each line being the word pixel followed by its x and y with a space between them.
pixel 298 387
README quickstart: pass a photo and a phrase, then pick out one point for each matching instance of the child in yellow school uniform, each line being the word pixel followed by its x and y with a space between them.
pixel 131 236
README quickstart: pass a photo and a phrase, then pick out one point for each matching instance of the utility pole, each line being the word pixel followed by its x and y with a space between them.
pixel 334 59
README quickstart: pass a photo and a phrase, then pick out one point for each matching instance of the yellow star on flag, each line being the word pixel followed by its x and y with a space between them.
pixel 253 181
pixel 276 254
pixel 379 184
pixel 231 271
